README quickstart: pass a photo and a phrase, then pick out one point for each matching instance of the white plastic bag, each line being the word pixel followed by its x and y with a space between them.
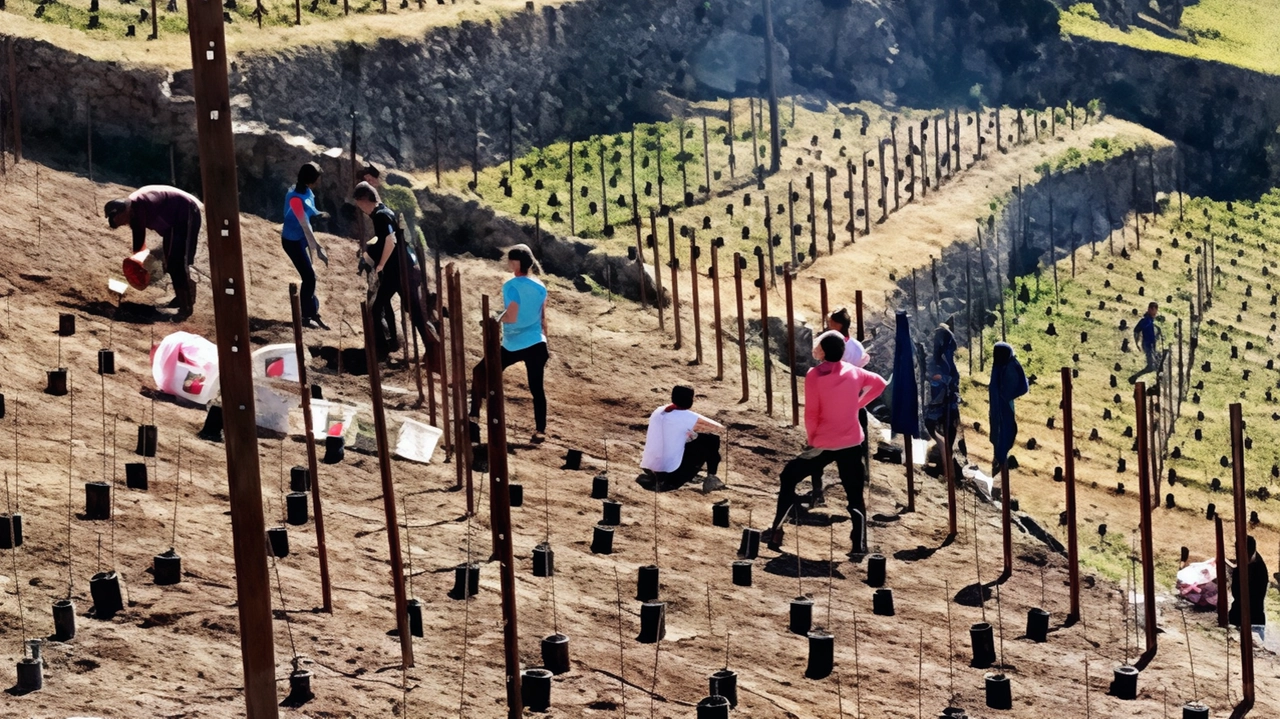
pixel 1198 583
pixel 186 365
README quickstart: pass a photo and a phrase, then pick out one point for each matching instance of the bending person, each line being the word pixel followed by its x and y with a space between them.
pixel 298 241
pixel 679 442
pixel 834 393
pixel 175 216
pixel 524 338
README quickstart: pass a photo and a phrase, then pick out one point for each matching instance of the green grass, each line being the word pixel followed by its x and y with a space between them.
pixel 1099 151
pixel 1236 32
pixel 114 15
pixel 1107 290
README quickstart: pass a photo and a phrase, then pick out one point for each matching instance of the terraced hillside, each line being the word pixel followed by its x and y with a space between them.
pixel 1226 355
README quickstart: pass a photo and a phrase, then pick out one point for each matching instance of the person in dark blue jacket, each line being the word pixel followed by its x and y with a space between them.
pixel 1008 382
pixel 942 413
pixel 1147 335
pixel 299 241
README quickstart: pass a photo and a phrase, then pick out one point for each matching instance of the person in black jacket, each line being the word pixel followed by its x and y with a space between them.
pixel 1258 583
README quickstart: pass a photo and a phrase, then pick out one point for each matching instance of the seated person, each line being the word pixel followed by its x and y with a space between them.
pixel 679 442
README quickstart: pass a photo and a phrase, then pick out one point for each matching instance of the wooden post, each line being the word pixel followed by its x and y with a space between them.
pixel 822 299
pixel 635 218
pixel 1221 567
pixel 305 390
pixel 857 301
pixel 439 358
pixel 733 158
pixel 924 159
pixel 675 278
pixel 911 163
pixel 634 192
pixel 884 187
pixel 958 165
pixel 853 213
pixel 866 196
pixel 458 345
pixel 1069 474
pixel 694 251
pixel 1242 563
pixel 715 306
pixel 897 190
pixel 408 329
pixel 738 264
pixel 684 169
pixel 831 232
pixel 1006 522
pixel 788 277
pixel 755 139
pixel 1144 495
pixel 948 467
pixel 937 156
pixel 388 489
pixel 706 156
pixel 500 513
pixel 813 219
pixel 231 318
pixel 951 146
pixel 764 339
pixel 573 216
pixel 768 232
pixel 977 126
pixel 775 133
pixel 999 137
pixel 155 29
pixel 657 268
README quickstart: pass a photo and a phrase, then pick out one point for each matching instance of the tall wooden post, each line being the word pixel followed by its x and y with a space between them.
pixel 675 278
pixel 884 187
pixel 438 359
pixel 733 157
pixel 155 28
pixel 771 80
pixel 388 489
pixel 604 191
pixel 573 187
pixel 1069 474
pixel 857 302
pixel 715 306
pixel 231 319
pixel 305 390
pixel 813 219
pixel 924 158
pixel 791 222
pixel 500 513
pixel 706 156
pixel 831 231
pixel 788 277
pixel 937 156
pixel 897 183
pixel 866 196
pixel 657 268
pixel 458 341
pixel 1220 565
pixel 768 234
pixel 911 163
pixel 853 213
pixel 1144 496
pixel 822 302
pixel 1006 522
pixel 738 264
pixel 764 338
pixel 635 218
pixel 1242 562
pixel 694 251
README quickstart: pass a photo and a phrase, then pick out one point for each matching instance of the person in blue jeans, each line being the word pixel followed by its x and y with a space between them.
pixel 524 338
pixel 1147 334
pixel 298 241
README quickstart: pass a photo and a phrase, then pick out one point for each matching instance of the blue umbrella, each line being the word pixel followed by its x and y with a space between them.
pixel 904 408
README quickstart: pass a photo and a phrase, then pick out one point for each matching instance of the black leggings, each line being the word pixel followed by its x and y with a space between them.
pixel 849 461
pixel 535 364
pixel 301 258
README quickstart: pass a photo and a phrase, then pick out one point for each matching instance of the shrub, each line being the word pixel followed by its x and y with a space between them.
pixel 1085 9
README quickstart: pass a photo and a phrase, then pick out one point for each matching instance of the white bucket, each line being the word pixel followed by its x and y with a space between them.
pixel 417 441
pixel 276 362
pixel 329 417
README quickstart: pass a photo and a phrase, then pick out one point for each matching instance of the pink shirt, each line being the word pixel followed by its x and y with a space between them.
pixel 833 394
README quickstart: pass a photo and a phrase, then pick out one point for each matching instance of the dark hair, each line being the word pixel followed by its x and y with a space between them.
pixel 307 174
pixel 1152 305
pixel 523 255
pixel 1001 354
pixel 365 191
pixel 682 396
pixel 115 207
pixel 370 171
pixel 841 317
pixel 1250 546
pixel 832 348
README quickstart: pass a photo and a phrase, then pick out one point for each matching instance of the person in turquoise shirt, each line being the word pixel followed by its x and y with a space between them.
pixel 524 338
pixel 298 241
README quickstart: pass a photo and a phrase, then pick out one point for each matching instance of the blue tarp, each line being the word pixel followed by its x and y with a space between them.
pixel 1008 382
pixel 904 408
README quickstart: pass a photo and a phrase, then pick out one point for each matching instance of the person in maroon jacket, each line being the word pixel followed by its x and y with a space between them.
pixel 175 216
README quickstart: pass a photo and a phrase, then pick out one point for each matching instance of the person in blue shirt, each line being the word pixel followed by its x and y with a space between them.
pixel 524 338
pixel 1146 334
pixel 1008 383
pixel 299 241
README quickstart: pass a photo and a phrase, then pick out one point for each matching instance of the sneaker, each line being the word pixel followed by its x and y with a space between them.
pixel 711 484
pixel 315 323
pixel 773 538
pixel 538 438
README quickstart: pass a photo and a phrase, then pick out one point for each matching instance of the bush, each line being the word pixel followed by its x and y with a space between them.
pixel 1085 9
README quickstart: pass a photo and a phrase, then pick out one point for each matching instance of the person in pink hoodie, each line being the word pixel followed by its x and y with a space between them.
pixel 834 392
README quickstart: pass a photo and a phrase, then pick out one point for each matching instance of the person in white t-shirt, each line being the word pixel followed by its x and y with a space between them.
pixel 679 442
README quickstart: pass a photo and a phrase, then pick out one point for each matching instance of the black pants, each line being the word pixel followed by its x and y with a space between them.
pixel 535 364
pixel 703 450
pixel 179 249
pixel 852 468
pixel 384 314
pixel 301 258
